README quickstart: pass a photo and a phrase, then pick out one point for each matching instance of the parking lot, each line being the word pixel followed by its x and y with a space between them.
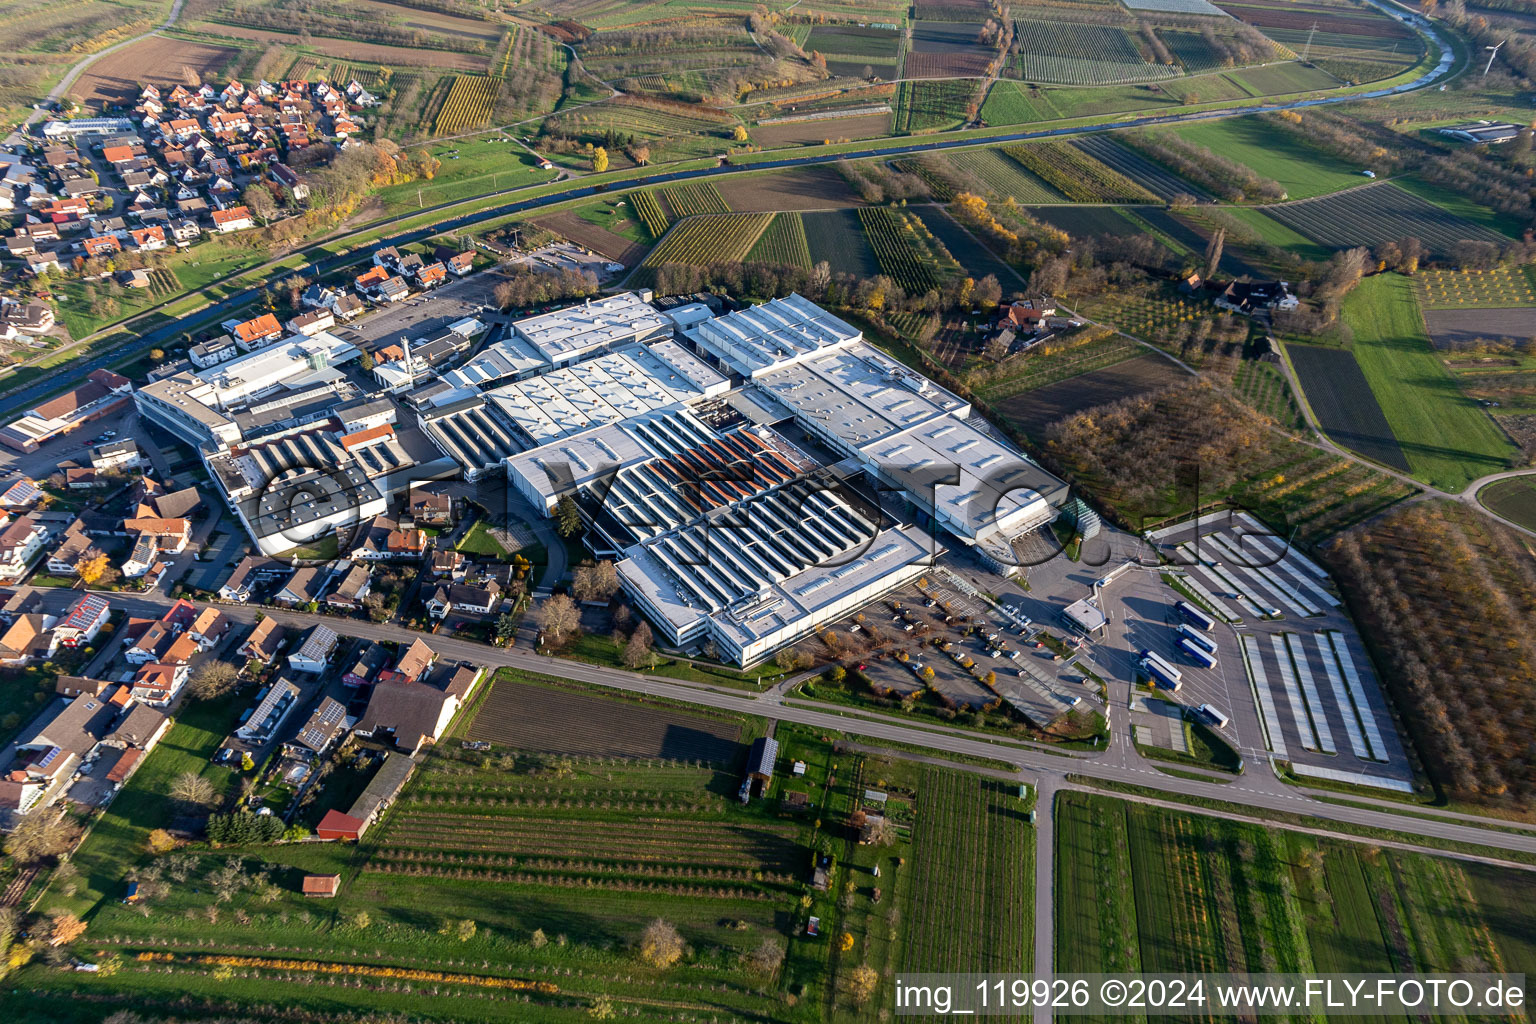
pixel 942 637
pixel 422 315
pixel 1313 688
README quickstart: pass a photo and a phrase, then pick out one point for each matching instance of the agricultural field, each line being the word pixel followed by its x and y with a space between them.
pixel 1003 177
pixel 971 844
pixel 1162 183
pixel 1056 386
pixel 837 237
pixel 943 49
pixel 711 238
pixel 1448 439
pixel 1302 170
pixel 815 131
pixel 1069 53
pixel 532 716
pixel 651 213
pixel 1077 175
pixel 977 259
pixel 1147 889
pixel 468 106
pixel 1450 329
pixel 694 197
pixel 799 188
pixel 906 250
pixel 1282 80
pixel 1376 214
pixel 1466 289
pixel 851 42
pixel 1086 221
pixel 783 242
pixel 1341 398
pixel 1263 387
pixel 931 106
pixel 446 61
pixel 1186 232
pixel 1514 499
pixel 117 77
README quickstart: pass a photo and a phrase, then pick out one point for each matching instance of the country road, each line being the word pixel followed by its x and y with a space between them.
pixel 1033 766
pixel 158 336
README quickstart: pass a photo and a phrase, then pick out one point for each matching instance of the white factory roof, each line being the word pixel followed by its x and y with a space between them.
pixel 566 334
pixel 286 362
pixel 788 556
pixel 997 490
pixel 705 378
pixel 509 357
pixel 604 389
pixel 859 394
pixel 779 331
pixel 554 470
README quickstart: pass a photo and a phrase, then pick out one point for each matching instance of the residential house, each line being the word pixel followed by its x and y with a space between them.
pixel 74 686
pixel 1250 297
pixel 101 245
pixel 314 654
pixel 171 535
pixel 465 599
pixel 158 682
pixel 430 506
pixel 312 322
pixel 265 641
pixel 448 564
pixel 370 659
pixel 213 352
pixel 142 557
pixel 21 543
pixel 252 571
pixel 72 548
pixel 26 317
pixel 349 593
pixel 235 219
pixel 327 722
pixel 268 715
pixel 412 664
pixel 302 587
pixel 119 455
pixel 461 263
pixel 383 539
pixel 209 629
pixel 431 275
pixel 83 621
pixel 257 331
pixel 148 239
pixel 20 495
pixel 50 748
pixel 28 637
pixel 141 727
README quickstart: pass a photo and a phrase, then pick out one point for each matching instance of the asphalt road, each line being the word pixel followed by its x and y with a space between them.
pixel 27 396
pixel 1256 790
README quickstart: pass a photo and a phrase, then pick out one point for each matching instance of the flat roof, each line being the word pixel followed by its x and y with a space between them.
pixel 779 331
pixel 567 333
pixel 509 357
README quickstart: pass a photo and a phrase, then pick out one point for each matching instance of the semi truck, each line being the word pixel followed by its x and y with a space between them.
pixel 1216 718
pixel 1199 655
pixel 1196 617
pixel 1197 638
pixel 1161 670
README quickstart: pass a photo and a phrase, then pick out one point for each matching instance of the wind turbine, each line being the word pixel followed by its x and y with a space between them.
pixel 1494 53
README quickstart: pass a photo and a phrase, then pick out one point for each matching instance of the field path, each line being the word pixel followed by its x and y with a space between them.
pixel 1045 885
pixel 58 91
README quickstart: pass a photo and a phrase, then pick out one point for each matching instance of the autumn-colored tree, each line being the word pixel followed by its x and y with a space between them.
pixel 160 841
pixel 64 928
pixel 740 133
pixel 93 567
pixel 859 984
pixel 39 836
pixel 661 944
pixel 599 160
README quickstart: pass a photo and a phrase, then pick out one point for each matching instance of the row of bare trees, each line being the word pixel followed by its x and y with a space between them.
pixel 1446 599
